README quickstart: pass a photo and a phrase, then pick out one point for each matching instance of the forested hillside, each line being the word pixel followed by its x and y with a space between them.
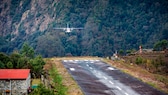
pixel 109 25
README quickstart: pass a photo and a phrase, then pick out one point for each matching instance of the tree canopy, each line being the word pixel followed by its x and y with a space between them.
pixel 161 45
pixel 109 25
pixel 25 59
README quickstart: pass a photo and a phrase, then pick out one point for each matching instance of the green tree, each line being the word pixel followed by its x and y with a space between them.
pixel 9 65
pixel 27 51
pixel 28 54
pixel 14 59
pixel 121 52
pixel 37 65
pixel 161 45
pixel 2 65
pixel 22 63
pixel 128 51
pixel 49 45
pixel 4 58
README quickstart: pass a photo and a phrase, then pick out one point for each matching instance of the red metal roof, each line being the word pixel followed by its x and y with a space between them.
pixel 14 73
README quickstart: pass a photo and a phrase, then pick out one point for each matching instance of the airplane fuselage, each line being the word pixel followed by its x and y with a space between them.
pixel 68 30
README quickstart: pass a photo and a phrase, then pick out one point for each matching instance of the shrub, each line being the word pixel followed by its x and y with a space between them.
pixel 139 60
pixel 42 90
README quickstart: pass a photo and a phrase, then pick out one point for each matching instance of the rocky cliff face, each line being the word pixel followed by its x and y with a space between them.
pixel 26 16
pixel 5 19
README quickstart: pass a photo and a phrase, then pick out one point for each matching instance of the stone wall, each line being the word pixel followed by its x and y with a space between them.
pixel 18 87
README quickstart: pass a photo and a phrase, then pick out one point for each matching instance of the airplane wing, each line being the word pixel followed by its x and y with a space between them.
pixel 76 28
pixel 60 28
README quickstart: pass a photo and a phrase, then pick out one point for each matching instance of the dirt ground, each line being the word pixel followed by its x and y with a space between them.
pixel 134 70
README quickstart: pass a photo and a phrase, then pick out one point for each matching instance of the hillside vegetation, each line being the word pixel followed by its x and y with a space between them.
pixel 109 25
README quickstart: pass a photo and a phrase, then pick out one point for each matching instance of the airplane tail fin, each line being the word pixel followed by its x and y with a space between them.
pixel 67 25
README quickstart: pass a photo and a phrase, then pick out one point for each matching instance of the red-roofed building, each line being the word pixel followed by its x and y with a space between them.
pixel 14 81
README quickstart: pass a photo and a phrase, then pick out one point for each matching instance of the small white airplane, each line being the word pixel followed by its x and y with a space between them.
pixel 68 29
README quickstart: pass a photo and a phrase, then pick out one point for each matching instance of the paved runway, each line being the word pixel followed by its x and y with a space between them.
pixel 98 78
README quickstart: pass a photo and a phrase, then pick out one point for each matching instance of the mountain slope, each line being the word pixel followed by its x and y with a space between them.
pixel 109 25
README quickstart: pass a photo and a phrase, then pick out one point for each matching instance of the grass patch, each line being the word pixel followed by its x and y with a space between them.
pixel 59 88
pixel 152 84
pixel 67 80
pixel 161 78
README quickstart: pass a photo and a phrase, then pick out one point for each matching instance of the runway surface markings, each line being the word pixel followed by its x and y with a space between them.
pixel 105 77
pixel 118 87
pixel 126 93
pixel 111 82
pixel 72 69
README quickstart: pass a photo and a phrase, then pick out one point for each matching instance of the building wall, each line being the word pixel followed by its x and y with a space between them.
pixel 18 87
pixel 28 81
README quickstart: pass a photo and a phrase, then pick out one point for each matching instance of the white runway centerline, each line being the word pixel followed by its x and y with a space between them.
pixel 72 69
pixel 110 68
pixel 105 78
pixel 111 82
pixel 126 93
pixel 118 87
pixel 90 67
